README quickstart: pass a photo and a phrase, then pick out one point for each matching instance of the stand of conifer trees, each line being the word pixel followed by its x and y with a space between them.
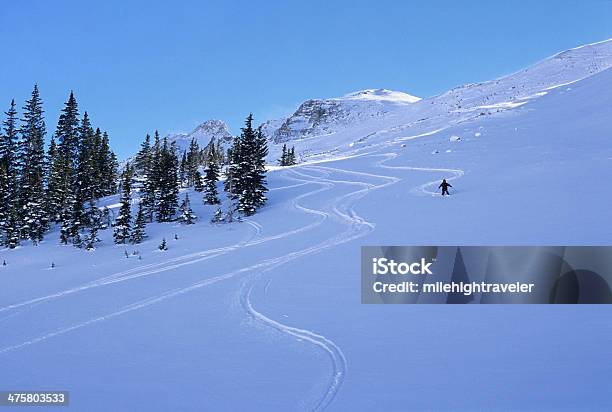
pixel 287 157
pixel 38 189
pixel 62 186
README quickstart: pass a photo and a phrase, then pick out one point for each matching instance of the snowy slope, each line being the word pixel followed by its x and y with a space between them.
pixel 265 314
pixel 328 128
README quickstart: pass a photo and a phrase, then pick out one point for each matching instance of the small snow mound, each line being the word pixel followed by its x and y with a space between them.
pixel 477 134
pixel 454 138
pixel 448 150
pixel 435 152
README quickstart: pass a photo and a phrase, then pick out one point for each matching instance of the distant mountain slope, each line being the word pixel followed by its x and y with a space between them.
pixel 325 116
pixel 350 124
pixel 204 133
pixel 336 127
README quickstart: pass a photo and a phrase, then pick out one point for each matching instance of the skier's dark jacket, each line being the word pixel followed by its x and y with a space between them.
pixel 445 185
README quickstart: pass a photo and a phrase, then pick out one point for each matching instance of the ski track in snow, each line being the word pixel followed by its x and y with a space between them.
pixel 342 208
pixel 423 189
pixel 178 291
pixel 192 258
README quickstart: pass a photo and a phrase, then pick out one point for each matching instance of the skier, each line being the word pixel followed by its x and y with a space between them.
pixel 445 185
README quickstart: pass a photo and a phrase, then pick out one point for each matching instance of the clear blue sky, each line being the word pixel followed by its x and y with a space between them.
pixel 137 66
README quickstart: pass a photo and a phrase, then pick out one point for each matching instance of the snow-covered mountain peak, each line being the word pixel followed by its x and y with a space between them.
pixel 382 95
pixel 203 133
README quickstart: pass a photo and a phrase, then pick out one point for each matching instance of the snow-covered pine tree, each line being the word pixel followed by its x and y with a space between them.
pixel 283 159
pixel 31 213
pixel 11 238
pixel 218 216
pixel 76 219
pixel 107 167
pixel 252 171
pixel 98 180
pixel 8 179
pixel 92 238
pixel 167 201
pixel 259 165
pixel 232 171
pixel 198 185
pixel 187 215
pixel 87 178
pixel 192 162
pixel 8 166
pixel 139 233
pixel 64 192
pixel 211 177
pixel 291 160
pixel 124 218
pixel 150 187
pixel 142 161
pixel 54 191
pixel 182 173
pixel 94 217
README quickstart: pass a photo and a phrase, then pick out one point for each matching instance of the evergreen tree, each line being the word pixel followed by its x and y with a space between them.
pixel 218 216
pixel 68 132
pixel 65 169
pixel 142 162
pixel 123 221
pixel 183 170
pixel 187 215
pixel 31 182
pixel 167 201
pixel 94 218
pixel 211 196
pixel 54 190
pixel 232 171
pixel 139 234
pixel 87 178
pixel 92 238
pixel 259 169
pixel 9 157
pixel 192 162
pixel 291 160
pixel 75 219
pixel 99 182
pixel 251 170
pixel 9 148
pixel 283 159
pixel 107 167
pixel 152 173
pixel 198 184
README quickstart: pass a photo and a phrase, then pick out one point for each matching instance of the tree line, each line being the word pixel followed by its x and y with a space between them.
pixel 61 186
pixel 38 188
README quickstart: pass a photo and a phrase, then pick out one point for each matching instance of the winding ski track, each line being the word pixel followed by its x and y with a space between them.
pixel 342 210
pixel 188 259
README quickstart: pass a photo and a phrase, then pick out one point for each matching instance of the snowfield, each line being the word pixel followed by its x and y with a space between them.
pixel 265 313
